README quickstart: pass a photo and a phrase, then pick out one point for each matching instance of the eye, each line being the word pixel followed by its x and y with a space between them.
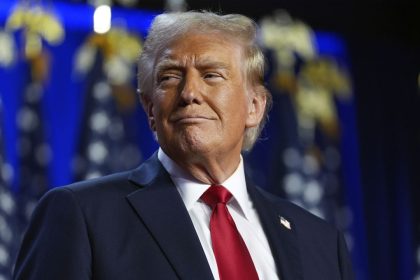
pixel 212 76
pixel 168 78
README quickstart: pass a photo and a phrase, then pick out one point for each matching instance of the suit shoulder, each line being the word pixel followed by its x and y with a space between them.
pixel 113 185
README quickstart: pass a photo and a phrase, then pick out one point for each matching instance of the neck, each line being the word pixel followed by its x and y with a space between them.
pixel 209 170
pixel 212 171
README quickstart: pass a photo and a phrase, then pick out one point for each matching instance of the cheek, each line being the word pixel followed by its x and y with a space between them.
pixel 232 119
pixel 235 105
pixel 230 96
pixel 162 105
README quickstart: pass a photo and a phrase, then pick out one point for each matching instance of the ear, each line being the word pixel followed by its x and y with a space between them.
pixel 256 108
pixel 148 109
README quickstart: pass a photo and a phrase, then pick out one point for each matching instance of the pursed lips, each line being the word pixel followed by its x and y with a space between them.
pixel 190 119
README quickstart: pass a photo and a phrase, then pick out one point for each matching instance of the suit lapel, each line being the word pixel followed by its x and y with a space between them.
pixel 160 207
pixel 282 240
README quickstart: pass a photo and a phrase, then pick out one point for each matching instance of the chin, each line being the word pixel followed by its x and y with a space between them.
pixel 193 141
pixel 196 145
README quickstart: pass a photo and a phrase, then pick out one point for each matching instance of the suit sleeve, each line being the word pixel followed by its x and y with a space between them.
pixel 56 244
pixel 344 259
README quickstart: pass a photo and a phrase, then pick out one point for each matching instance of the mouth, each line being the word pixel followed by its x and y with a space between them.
pixel 191 119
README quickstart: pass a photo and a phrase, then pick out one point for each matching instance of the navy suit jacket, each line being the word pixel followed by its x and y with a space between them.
pixel 134 225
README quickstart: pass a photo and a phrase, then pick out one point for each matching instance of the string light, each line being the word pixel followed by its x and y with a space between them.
pixel 102 19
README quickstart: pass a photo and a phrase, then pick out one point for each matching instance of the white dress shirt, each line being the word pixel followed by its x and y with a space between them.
pixel 240 208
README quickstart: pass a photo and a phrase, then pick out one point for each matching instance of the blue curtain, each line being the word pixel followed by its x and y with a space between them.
pixel 388 102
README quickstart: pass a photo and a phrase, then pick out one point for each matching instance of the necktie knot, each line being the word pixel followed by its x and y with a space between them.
pixel 216 194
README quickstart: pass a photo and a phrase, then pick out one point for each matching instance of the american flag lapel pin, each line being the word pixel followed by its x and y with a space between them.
pixel 285 223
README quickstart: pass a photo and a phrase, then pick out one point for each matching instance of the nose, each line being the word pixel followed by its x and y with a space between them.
pixel 191 89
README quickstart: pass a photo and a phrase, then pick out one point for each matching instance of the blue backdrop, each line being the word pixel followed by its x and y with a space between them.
pixel 382 232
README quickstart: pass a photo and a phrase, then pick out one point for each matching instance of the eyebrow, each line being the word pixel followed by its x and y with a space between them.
pixel 167 64
pixel 211 63
pixel 205 63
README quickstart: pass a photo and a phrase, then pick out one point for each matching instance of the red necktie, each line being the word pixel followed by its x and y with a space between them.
pixel 233 259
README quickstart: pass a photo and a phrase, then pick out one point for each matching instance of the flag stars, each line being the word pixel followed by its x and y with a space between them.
pixel 118 71
pixel 293 184
pixel 43 154
pixel 97 152
pixel 102 91
pixel 104 146
pixel 4 256
pixel 292 158
pixel 312 182
pixel 5 231
pixel 99 122
pixel 303 183
pixel 116 130
pixel 7 50
pixel 6 202
pixel 6 172
pixel 27 120
pixel 310 165
pixel 313 193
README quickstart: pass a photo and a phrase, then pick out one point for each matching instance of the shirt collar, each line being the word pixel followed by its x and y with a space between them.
pixel 191 189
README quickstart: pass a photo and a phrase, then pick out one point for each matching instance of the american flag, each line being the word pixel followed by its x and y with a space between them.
pixel 314 130
pixel 33 150
pixel 107 143
pixel 312 179
pixel 9 233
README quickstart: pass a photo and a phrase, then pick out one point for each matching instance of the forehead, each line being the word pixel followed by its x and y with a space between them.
pixel 194 48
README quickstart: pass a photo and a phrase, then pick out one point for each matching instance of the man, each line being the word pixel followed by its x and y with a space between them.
pixel 188 212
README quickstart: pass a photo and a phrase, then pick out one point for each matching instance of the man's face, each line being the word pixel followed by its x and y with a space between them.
pixel 201 103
